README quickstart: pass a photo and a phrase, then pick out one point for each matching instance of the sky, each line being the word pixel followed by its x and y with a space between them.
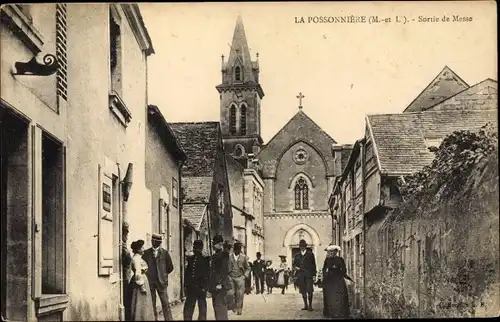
pixel 345 71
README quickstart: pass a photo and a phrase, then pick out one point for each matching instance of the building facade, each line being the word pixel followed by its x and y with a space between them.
pixel 394 146
pixel 205 186
pixel 164 159
pixel 73 163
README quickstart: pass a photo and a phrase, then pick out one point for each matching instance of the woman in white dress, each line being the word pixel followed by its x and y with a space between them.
pixel 141 308
pixel 282 274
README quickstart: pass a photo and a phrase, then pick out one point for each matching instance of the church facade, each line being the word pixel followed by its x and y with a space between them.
pixel 296 167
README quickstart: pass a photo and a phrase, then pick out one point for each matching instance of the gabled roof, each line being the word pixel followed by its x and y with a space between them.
pixel 200 141
pixel 197 189
pixel 401 141
pixel 165 132
pixel 299 128
pixel 482 96
pixel 194 214
pixel 446 84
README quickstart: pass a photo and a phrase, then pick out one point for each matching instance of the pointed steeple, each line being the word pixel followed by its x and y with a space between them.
pixel 239 54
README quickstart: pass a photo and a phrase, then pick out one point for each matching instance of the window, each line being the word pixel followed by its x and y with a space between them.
pixel 115 50
pixel 243 119
pixel 301 195
pixel 53 217
pixel 237 73
pixel 232 119
pixel 175 193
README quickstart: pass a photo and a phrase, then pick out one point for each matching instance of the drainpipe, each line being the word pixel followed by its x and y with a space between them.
pixel 181 228
pixel 121 220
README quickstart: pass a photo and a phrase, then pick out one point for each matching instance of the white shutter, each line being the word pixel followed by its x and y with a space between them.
pixel 105 223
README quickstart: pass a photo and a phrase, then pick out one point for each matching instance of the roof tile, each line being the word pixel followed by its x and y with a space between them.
pixel 197 189
pixel 200 141
pixel 401 138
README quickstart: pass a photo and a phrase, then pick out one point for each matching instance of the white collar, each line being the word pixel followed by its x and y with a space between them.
pixel 156 249
pixel 236 256
pixel 303 252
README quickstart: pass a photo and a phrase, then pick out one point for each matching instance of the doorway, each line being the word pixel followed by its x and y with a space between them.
pixel 14 195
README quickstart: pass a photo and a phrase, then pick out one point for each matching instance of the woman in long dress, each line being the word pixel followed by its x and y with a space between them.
pixel 141 306
pixel 270 276
pixel 335 296
pixel 282 272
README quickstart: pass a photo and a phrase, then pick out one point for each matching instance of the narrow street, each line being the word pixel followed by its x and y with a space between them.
pixel 267 307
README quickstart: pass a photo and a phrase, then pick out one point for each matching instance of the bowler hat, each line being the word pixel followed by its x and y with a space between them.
pixel 302 242
pixel 218 239
pixel 157 237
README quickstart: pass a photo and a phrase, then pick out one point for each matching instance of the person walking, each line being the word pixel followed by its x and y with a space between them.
pixel 270 277
pixel 305 264
pixel 160 266
pixel 141 304
pixel 259 267
pixel 281 279
pixel 335 295
pixel 238 272
pixel 196 278
pixel 219 283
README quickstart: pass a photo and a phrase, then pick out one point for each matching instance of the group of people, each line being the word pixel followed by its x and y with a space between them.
pixel 145 276
pixel 225 275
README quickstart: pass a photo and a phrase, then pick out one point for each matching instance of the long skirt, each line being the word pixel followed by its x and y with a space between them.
pixel 335 298
pixel 141 304
pixel 281 279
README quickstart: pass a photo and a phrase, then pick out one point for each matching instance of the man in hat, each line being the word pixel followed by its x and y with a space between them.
pixel 219 283
pixel 305 265
pixel 259 267
pixel 159 266
pixel 238 272
pixel 196 282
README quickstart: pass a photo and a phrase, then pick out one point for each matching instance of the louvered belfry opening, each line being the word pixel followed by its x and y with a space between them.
pixel 61 51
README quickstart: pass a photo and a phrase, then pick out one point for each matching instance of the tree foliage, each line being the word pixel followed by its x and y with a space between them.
pixel 455 158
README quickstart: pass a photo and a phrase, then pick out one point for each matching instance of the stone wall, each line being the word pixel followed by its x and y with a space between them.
pixel 440 260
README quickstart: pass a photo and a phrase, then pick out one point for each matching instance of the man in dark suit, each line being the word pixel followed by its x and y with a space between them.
pixel 259 267
pixel 305 265
pixel 159 266
pixel 219 283
pixel 196 282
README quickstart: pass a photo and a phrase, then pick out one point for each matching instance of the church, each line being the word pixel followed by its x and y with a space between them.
pixel 297 166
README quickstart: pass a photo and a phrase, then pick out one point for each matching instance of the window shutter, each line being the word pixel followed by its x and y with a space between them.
pixel 105 223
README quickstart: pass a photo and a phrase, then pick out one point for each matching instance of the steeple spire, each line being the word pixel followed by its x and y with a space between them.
pixel 239 53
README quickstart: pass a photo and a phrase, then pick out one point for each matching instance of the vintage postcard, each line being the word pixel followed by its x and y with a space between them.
pixel 249 161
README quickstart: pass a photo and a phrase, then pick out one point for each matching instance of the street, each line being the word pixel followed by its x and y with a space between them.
pixel 273 306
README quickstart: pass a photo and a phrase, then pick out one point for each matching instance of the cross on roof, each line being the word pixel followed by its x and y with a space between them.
pixel 300 97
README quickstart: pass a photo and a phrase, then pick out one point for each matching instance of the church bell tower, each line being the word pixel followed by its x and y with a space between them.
pixel 240 97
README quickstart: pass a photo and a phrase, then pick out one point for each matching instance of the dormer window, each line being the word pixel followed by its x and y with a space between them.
pixel 237 73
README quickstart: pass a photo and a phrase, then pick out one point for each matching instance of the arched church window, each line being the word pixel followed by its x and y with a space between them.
pixel 243 119
pixel 301 195
pixel 232 119
pixel 237 73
